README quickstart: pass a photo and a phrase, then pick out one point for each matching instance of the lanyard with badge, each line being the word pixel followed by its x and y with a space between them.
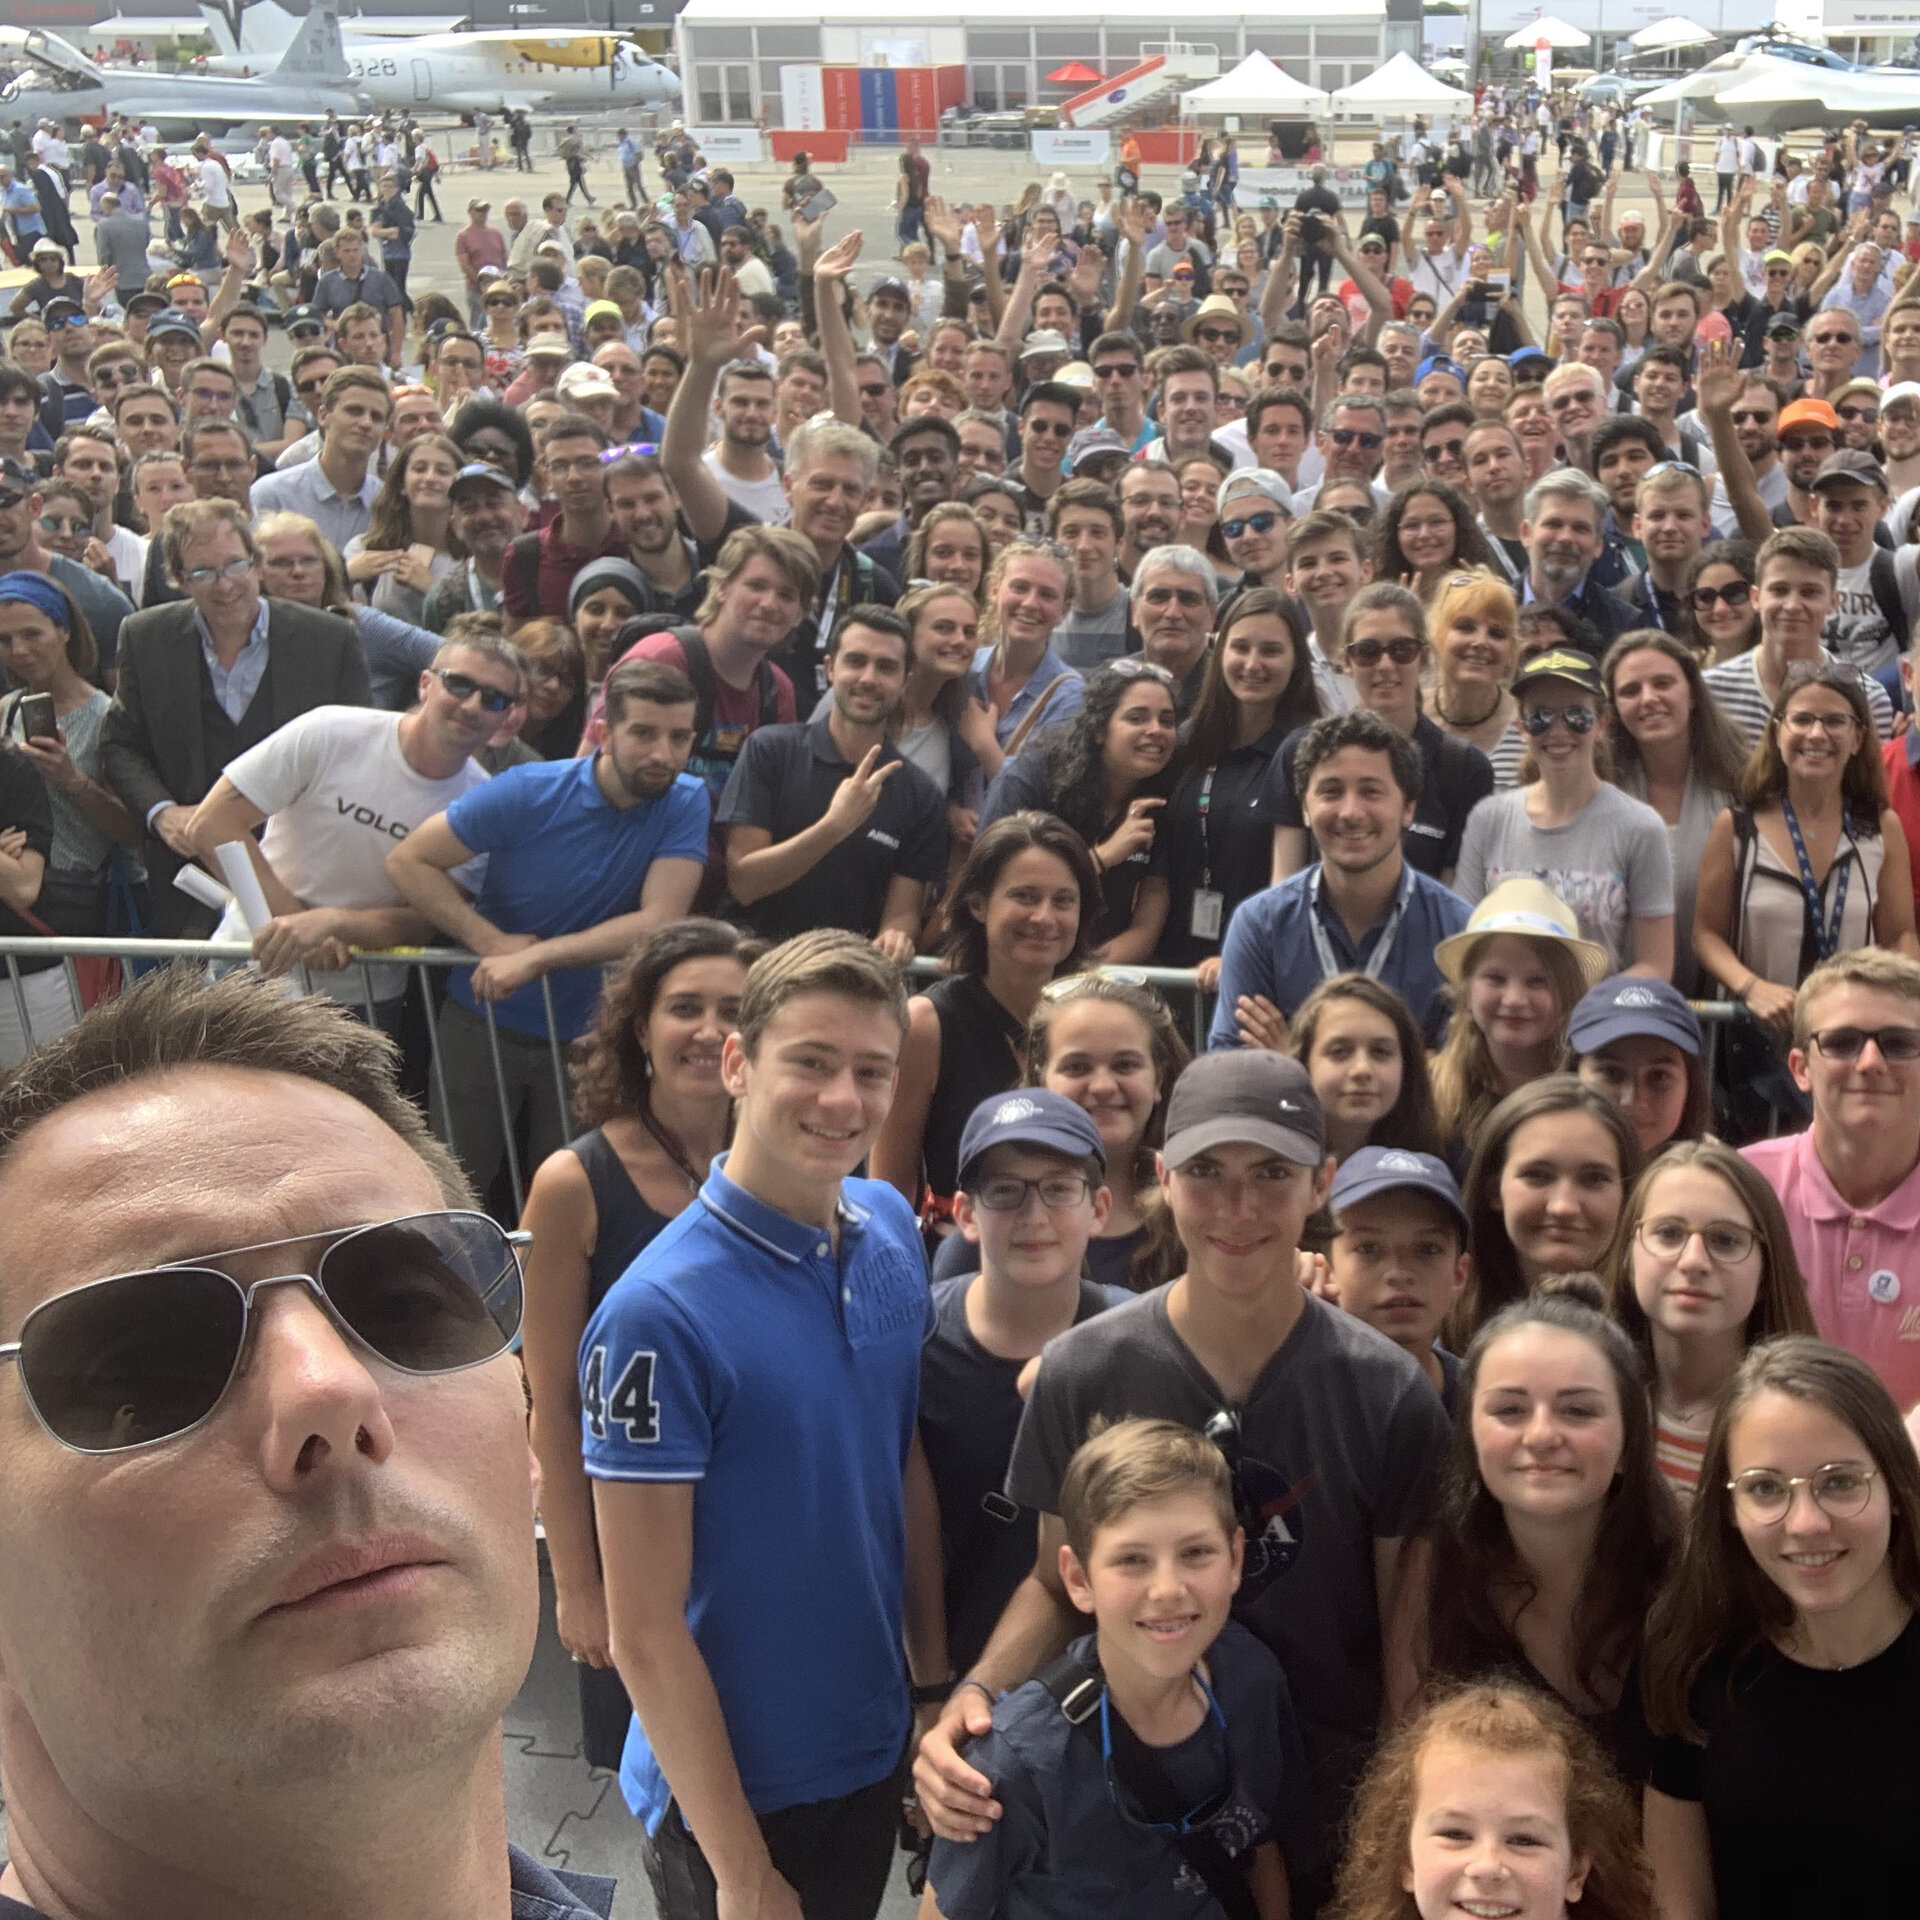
pixel 1209 903
pixel 1826 936
pixel 1383 948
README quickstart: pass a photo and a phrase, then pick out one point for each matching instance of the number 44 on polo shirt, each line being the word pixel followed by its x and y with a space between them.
pixel 630 1405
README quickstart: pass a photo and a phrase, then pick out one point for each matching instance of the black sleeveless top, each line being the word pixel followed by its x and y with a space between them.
pixel 979 1057
pixel 626 1222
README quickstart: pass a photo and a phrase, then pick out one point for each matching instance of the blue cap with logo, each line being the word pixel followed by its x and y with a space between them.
pixel 1627 1006
pixel 1029 1117
pixel 1376 1170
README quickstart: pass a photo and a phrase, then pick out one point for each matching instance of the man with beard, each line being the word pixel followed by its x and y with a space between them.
pixel 585 857
pixel 826 825
pixel 1563 534
pixel 738 461
pixel 1756 420
pixel 1149 513
pixel 889 308
pixel 646 511
pixel 1809 430
pixel 486 519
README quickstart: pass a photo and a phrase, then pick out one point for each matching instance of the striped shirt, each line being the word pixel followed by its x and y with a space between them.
pixel 1736 689
pixel 1678 1452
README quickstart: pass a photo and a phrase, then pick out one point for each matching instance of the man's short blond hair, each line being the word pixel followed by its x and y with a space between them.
pixel 1877 967
pixel 828 960
pixel 1119 1467
pixel 195 520
pixel 793 554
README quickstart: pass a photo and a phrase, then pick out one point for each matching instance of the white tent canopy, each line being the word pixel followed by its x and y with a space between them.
pixel 1402 86
pixel 1556 33
pixel 1254 88
pixel 1664 35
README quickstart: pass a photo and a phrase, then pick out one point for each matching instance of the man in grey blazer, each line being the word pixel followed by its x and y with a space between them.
pixel 207 677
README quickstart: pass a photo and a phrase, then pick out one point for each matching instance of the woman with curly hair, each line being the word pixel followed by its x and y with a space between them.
pixel 409 543
pixel 950 547
pixel 1783 1661
pixel 1427 531
pixel 1106 774
pixel 1495 1799
pixel 647 1090
pixel 1551 1531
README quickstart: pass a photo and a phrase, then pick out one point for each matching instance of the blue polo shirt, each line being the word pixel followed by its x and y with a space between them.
pixel 561 858
pixel 1062 704
pixel 741 1353
pixel 1270 950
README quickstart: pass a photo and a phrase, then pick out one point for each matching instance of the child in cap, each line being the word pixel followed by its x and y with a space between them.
pixel 1033 1192
pixel 1638 1042
pixel 1138 1774
pixel 1399 1253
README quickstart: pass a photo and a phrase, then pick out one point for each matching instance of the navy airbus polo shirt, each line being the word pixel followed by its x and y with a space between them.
pixel 739 1352
pixel 1270 950
pixel 784 781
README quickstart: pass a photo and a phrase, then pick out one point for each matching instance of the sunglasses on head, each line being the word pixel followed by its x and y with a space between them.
pixel 141 1357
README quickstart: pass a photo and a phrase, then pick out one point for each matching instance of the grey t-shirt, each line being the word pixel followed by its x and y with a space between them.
pixel 1338 1440
pixel 1610 863
pixel 1089 640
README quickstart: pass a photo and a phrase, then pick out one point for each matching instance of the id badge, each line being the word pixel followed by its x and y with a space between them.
pixel 1208 910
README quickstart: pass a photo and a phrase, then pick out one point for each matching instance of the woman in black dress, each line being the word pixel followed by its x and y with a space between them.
pixel 1017 916
pixel 1258 688
pixel 647 1089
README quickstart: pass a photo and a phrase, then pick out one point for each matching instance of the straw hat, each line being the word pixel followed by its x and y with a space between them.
pixel 1217 306
pixel 1533 911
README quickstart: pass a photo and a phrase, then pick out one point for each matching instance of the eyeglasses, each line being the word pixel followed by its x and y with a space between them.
pixel 1858 413
pixel 1057 1191
pixel 1188 597
pixel 206 576
pixel 1352 436
pixel 1727 1243
pixel 1705 599
pixel 1262 522
pixel 118 373
pixel 294 563
pixel 1403 651
pixel 873 392
pixel 1444 449
pixel 57 523
pixel 462 688
pixel 1897 1045
pixel 1540 720
pixel 1839 1489
pixel 1217 336
pixel 1836 726
pixel 142 1357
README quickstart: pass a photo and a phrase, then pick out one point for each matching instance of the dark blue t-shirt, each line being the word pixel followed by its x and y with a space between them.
pixel 1063 1850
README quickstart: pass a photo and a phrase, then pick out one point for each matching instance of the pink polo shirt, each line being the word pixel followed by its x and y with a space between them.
pixel 1862 1272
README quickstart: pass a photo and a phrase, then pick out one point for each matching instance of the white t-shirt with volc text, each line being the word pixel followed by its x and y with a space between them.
pixel 339 797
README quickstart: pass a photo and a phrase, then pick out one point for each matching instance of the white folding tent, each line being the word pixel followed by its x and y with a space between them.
pixel 1561 37
pixel 1400 88
pixel 1665 35
pixel 1255 90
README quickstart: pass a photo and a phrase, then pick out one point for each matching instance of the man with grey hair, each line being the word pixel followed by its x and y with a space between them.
pixel 1564 534
pixel 1173 595
pixel 335 788
pixel 1398 344
pixel 1353 442
pixel 1861 291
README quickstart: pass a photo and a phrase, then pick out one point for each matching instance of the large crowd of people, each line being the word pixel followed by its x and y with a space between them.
pixel 1446 1448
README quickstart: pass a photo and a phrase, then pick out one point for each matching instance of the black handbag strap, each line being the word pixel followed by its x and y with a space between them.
pixel 1076 1685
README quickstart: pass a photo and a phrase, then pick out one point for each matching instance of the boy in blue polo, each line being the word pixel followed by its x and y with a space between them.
pixel 1139 1774
pixel 747 1393
pixel 1399 1253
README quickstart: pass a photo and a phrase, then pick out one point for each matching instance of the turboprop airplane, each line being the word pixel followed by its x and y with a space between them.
pixel 461 72
pixel 58 82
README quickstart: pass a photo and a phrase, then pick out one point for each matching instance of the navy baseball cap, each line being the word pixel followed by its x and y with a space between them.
pixel 1246 1098
pixel 1625 1006
pixel 1029 1117
pixel 1377 1170
pixel 172 320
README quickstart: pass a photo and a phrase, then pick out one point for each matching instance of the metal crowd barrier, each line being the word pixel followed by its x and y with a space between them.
pixel 1178 984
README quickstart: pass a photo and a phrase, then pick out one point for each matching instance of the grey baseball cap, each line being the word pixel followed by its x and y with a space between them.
pixel 1247 1097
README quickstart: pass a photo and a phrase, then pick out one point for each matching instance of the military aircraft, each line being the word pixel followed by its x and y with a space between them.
pixel 462 72
pixel 57 82
pixel 1777 92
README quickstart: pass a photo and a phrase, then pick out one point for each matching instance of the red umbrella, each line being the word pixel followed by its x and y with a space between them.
pixel 1077 74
